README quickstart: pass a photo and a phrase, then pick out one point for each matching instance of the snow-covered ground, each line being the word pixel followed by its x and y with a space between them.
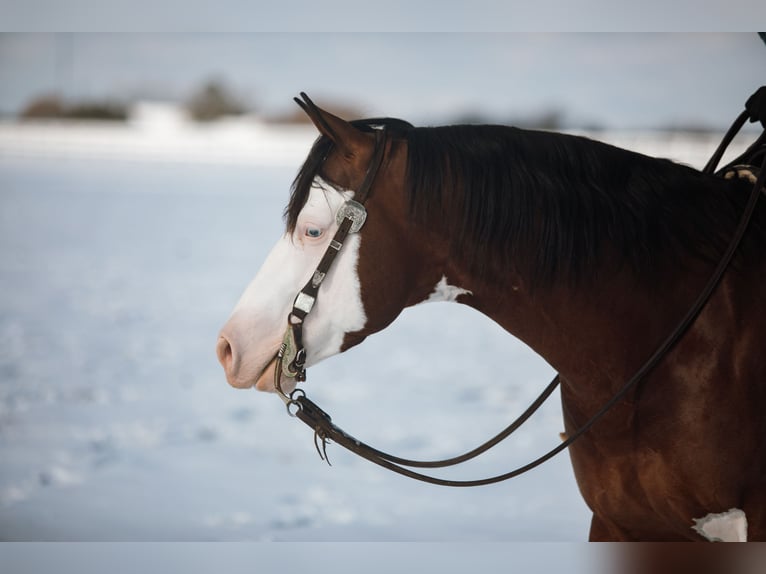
pixel 122 251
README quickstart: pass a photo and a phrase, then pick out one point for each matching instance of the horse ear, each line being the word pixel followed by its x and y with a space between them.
pixel 348 139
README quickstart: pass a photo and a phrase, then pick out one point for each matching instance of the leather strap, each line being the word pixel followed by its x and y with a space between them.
pixel 292 347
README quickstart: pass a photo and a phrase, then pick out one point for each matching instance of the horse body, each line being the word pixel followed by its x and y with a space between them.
pixel 592 295
pixel 686 443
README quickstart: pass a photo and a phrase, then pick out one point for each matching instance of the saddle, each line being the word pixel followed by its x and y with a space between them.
pixel 746 165
pixel 747 172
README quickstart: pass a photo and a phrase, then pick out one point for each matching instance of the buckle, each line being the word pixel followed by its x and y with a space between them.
pixel 354 211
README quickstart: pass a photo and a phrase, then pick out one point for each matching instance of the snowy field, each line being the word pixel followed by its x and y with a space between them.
pixel 122 252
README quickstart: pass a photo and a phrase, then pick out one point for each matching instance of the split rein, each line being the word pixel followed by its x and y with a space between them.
pixel 291 357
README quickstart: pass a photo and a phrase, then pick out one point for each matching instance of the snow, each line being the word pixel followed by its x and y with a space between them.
pixel 122 251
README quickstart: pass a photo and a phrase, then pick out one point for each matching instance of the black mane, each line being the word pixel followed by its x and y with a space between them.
pixel 548 204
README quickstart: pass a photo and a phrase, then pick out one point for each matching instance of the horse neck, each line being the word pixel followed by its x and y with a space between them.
pixel 595 335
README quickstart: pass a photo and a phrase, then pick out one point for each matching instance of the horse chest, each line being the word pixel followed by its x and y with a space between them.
pixel 648 494
pixel 634 493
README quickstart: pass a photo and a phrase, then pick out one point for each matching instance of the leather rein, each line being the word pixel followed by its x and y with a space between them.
pixel 351 216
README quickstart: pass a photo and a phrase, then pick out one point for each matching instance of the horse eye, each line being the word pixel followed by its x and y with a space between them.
pixel 313 232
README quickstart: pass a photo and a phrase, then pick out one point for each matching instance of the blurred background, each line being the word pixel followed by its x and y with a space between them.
pixel 606 81
pixel 142 182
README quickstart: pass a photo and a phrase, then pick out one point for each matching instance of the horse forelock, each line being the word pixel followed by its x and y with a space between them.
pixel 312 166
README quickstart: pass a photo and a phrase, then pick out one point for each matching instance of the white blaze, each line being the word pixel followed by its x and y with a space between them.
pixel 257 324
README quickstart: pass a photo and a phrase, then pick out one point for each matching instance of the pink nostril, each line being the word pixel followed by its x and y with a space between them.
pixel 225 353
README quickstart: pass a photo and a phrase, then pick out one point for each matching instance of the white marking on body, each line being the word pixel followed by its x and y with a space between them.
pixel 446 292
pixel 257 324
pixel 729 526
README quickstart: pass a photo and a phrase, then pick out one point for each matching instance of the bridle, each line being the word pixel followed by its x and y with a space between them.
pixel 291 358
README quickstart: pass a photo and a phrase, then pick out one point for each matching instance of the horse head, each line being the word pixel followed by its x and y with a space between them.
pixel 382 268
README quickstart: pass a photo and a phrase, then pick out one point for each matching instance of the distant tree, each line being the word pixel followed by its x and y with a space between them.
pixel 45 106
pixel 50 106
pixel 550 120
pixel 472 117
pixel 97 111
pixel 212 102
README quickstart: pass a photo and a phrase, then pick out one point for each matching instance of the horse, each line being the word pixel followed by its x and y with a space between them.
pixel 588 253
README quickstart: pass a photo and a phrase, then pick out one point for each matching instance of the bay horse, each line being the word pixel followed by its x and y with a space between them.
pixel 588 253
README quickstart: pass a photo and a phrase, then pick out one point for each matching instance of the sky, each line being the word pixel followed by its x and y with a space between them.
pixel 609 80
pixel 392 15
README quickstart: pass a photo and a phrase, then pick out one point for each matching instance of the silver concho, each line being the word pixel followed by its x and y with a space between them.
pixel 354 211
pixel 288 352
pixel 317 278
pixel 304 302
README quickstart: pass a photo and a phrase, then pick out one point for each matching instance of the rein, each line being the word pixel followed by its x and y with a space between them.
pixel 351 216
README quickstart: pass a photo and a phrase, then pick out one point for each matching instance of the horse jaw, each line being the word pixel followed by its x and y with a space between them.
pixel 250 340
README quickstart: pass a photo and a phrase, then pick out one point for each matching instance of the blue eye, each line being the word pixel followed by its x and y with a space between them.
pixel 313 232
